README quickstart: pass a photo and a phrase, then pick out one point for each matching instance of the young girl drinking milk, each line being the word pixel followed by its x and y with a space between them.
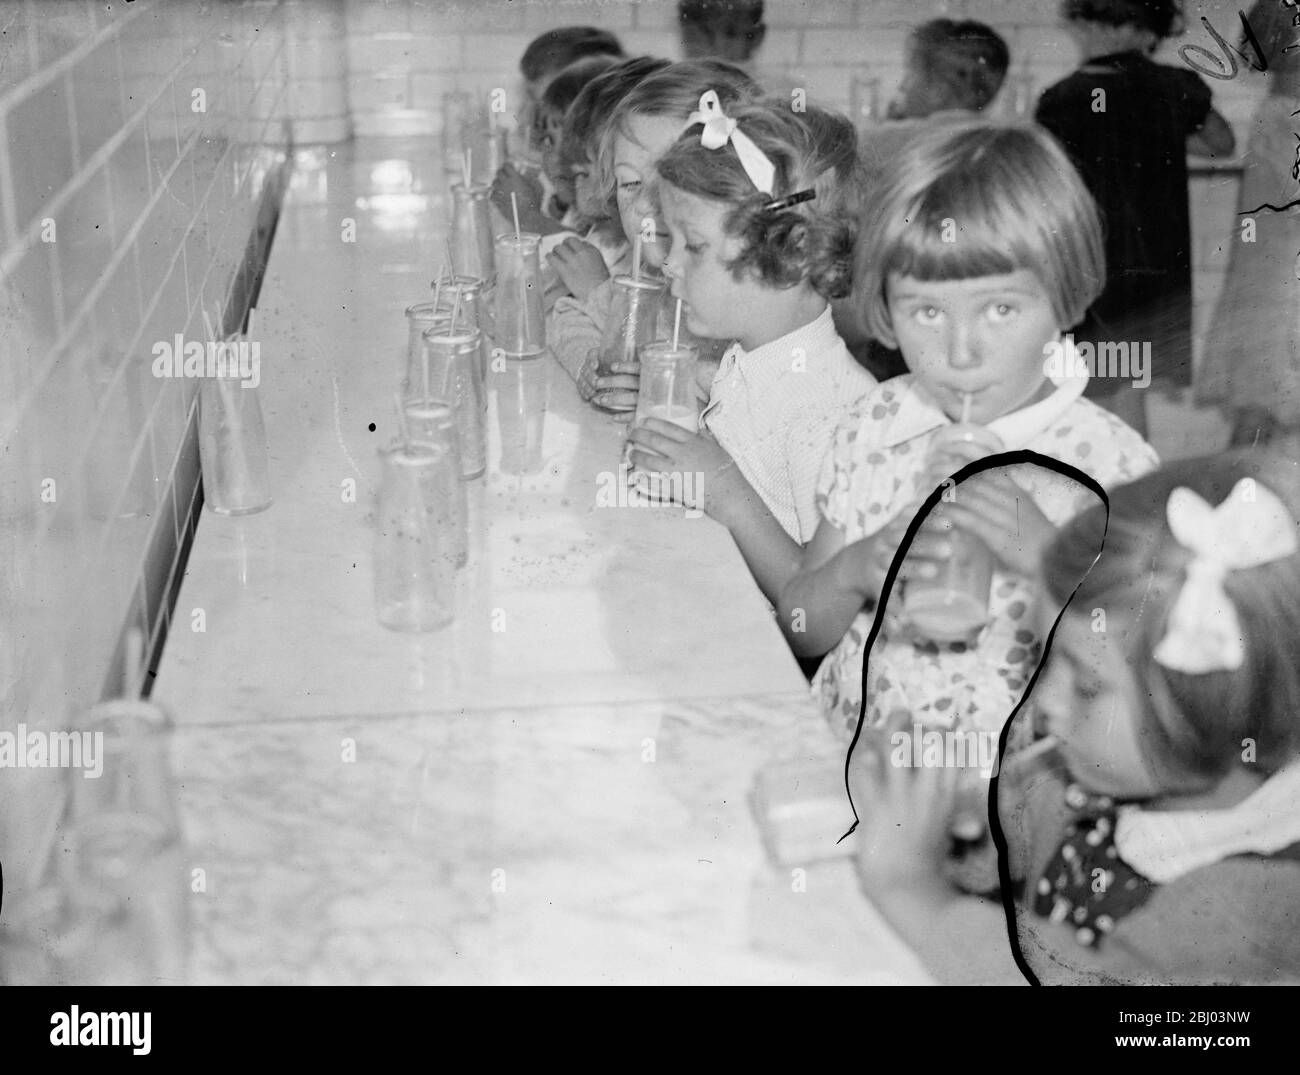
pixel 982 244
pixel 1159 841
pixel 760 204
pixel 575 259
pixel 646 122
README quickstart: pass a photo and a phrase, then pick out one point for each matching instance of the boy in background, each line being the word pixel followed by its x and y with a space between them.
pixel 952 69
pixel 551 52
pixel 730 30
pixel 545 57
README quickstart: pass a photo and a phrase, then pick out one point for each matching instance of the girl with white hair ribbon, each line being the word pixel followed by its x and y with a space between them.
pixel 760 204
pixel 1158 835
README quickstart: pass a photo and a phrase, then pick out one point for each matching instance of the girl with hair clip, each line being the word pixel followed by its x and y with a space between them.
pixel 983 247
pixel 643 126
pixel 760 203
pixel 1155 838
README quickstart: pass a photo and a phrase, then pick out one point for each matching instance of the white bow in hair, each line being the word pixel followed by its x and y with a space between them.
pixel 719 129
pixel 1251 527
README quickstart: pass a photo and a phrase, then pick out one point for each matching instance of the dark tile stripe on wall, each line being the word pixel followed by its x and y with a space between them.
pixel 152 204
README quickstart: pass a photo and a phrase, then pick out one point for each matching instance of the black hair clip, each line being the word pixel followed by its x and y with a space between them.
pixel 789 200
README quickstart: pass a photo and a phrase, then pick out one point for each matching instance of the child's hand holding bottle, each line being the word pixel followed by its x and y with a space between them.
pixel 993 508
pixel 579 265
pixel 616 390
pixel 526 189
pixel 868 559
pixel 716 481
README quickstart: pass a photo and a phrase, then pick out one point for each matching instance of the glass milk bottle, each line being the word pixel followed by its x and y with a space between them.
pixel 232 447
pixel 522 394
pixel 419 319
pixel 667 389
pixel 489 143
pixel 432 422
pixel 634 320
pixel 436 316
pixel 520 325
pixel 466 294
pixel 954 605
pixel 415 554
pixel 471 231
pixel 457 109
pixel 126 835
pixel 453 377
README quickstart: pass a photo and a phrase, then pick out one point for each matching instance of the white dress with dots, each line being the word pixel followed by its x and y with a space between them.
pixel 873 474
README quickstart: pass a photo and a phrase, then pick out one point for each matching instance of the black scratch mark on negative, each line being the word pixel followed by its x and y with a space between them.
pixel 1274 208
pixel 1002 459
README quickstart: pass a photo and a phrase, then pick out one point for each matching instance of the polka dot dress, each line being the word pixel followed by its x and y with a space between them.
pixel 873 474
pixel 1087 886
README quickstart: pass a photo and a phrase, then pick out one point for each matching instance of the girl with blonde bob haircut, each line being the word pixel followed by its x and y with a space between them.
pixel 982 248
pixel 980 199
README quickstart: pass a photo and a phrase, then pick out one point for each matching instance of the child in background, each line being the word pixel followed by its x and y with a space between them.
pixel 1160 841
pixel 730 30
pixel 982 247
pixel 1128 123
pixel 950 66
pixel 733 30
pixel 573 259
pixel 952 69
pixel 557 220
pixel 545 57
pixel 558 213
pixel 759 203
pixel 643 126
pixel 550 53
pixel 1252 352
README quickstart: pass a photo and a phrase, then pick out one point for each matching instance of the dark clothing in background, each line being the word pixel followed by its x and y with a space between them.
pixel 1133 158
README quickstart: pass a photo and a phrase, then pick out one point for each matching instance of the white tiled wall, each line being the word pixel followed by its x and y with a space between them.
pixel 135 140
pixel 404 54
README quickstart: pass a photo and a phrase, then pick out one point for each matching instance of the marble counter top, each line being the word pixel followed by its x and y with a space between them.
pixel 562 800
pixel 598 844
pixel 564 600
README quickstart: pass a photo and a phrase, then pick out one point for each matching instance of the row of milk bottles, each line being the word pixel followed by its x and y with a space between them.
pixel 487 303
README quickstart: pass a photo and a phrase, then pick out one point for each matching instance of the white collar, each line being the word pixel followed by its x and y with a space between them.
pixel 766 364
pixel 921 414
pixel 1165 845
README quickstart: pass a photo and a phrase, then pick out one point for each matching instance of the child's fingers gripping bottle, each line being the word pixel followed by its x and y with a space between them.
pixel 632 323
pixel 953 606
